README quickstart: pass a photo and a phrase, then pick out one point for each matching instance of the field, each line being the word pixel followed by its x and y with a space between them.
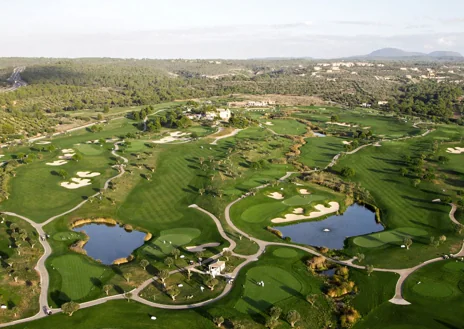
pixel 435 291
pixel 318 152
pixel 287 127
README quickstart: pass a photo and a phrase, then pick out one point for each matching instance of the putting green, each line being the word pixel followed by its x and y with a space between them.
pixel 90 149
pixel 434 289
pixel 394 236
pixel 76 274
pixel 285 253
pixel 278 285
pixel 170 239
pixel 260 212
pixel 454 267
pixel 299 200
pixel 64 236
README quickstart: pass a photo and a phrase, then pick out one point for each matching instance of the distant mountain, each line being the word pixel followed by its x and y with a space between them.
pixel 444 54
pixel 399 53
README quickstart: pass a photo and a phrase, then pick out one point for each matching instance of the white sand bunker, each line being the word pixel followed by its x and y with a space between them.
pixel 57 163
pixel 298 210
pixel 2 155
pixel 377 144
pixel 304 191
pixel 76 183
pixel 87 174
pixel 276 195
pixel 346 143
pixel 202 247
pixel 341 124
pixel 321 211
pixel 67 154
pixel 455 150
pixel 43 143
pixel 173 137
pixel 269 123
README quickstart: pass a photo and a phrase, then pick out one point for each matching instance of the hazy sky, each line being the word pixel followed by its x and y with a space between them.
pixel 227 29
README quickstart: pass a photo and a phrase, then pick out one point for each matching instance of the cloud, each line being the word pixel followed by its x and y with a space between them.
pixel 418 26
pixel 363 23
pixel 447 41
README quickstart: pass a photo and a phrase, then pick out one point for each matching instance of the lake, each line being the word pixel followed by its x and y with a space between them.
pixel 332 232
pixel 108 243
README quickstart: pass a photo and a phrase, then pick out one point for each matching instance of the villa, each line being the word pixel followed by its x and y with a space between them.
pixel 216 268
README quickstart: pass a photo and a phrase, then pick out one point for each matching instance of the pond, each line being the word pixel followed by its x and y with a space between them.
pixel 108 243
pixel 332 232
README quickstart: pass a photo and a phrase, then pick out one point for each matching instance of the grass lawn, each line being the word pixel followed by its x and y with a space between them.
pixel 402 205
pixel 435 300
pixel 74 276
pixel 318 152
pixel 287 127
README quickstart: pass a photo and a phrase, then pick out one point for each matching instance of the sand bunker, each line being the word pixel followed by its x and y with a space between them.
pixel 276 195
pixel 321 211
pixel 76 183
pixel 173 137
pixel 67 154
pixel 341 124
pixel 43 143
pixel 455 150
pixel 2 155
pixel 202 247
pixel 346 143
pixel 304 191
pixel 298 210
pixel 57 163
pixel 87 174
pixel 269 123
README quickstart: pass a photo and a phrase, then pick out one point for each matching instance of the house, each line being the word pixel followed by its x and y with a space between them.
pixel 317 68
pixel 216 268
pixel 366 105
pixel 381 103
pixel 224 114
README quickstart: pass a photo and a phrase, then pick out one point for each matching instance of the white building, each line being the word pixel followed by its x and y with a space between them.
pixel 216 268
pixel 224 114
pixel 382 103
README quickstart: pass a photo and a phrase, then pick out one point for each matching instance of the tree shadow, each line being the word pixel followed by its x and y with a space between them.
pixel 96 282
pixel 59 297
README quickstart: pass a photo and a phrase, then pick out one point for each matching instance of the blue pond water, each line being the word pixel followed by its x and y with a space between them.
pixel 108 243
pixel 356 220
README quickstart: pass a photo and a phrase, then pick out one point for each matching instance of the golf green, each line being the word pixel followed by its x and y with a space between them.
pixel 170 239
pixel 393 236
pixel 285 253
pixel 260 212
pixel 76 275
pixel 278 285
pixel 62 236
pixel 90 149
pixel 433 289
pixel 300 200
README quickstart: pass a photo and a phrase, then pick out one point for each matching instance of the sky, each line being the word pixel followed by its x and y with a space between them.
pixel 227 29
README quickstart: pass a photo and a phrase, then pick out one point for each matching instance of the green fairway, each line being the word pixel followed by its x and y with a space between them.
pixel 287 127
pixel 388 237
pixel 318 152
pixel 90 149
pixel 285 253
pixel 278 285
pixel 258 213
pixel 77 276
pixel 66 236
pixel 433 289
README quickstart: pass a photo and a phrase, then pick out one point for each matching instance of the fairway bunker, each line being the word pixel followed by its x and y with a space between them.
pixel 455 150
pixel 321 211
pixel 276 195
pixel 332 232
pixel 76 183
pixel 108 243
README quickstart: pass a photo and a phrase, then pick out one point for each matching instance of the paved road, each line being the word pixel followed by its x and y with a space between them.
pixel 15 79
